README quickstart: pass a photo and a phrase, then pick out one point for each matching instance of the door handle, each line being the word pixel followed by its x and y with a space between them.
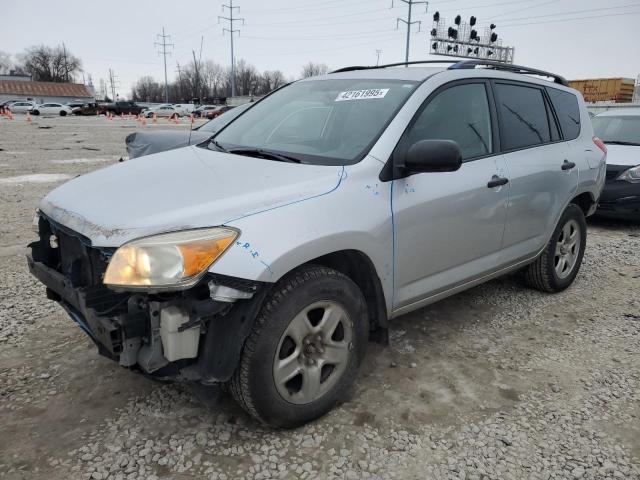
pixel 567 165
pixel 497 181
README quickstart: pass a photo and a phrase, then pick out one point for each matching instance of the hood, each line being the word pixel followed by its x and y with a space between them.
pixel 190 187
pixel 146 143
pixel 624 155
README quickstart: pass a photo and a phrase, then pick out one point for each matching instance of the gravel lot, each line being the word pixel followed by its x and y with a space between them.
pixel 500 382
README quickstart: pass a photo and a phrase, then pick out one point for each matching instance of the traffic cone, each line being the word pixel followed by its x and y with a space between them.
pixel 192 119
pixel 29 118
pixel 144 122
pixel 10 115
pixel 155 119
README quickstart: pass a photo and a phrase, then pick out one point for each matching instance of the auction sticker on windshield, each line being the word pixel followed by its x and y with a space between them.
pixel 362 94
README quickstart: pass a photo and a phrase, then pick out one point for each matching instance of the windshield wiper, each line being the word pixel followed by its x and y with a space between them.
pixel 261 153
pixel 217 145
pixel 621 142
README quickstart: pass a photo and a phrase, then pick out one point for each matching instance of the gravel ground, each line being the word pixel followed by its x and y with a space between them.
pixel 500 382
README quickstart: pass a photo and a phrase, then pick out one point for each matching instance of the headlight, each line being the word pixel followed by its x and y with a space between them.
pixel 632 175
pixel 175 259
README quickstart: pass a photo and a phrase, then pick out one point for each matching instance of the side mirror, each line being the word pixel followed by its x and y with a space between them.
pixel 433 156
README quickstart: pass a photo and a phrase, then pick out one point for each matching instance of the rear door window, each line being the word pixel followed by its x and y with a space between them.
pixel 523 116
pixel 566 106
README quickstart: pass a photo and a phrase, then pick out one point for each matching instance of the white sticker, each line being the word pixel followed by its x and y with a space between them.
pixel 362 94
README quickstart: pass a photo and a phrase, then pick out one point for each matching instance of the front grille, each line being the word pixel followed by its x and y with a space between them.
pixel 71 254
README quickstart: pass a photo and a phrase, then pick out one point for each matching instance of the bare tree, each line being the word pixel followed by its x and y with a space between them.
pixel 147 89
pixel 312 69
pixel 247 78
pixel 270 80
pixel 5 62
pixel 50 64
pixel 214 78
pixel 191 83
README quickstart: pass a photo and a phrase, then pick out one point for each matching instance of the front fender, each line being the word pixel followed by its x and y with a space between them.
pixel 355 216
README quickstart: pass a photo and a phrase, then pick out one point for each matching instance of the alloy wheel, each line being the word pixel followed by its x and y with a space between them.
pixel 313 352
pixel 567 249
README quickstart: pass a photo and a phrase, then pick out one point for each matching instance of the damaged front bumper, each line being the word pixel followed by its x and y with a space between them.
pixel 191 335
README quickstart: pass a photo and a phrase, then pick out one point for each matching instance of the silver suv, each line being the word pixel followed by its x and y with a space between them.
pixel 265 258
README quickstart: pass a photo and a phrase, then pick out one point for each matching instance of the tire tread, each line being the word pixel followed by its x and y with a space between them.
pixel 239 383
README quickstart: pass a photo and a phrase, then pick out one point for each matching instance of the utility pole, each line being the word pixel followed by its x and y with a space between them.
pixel 378 52
pixel 231 19
pixel 408 22
pixel 179 79
pixel 162 42
pixel 113 80
pixel 66 65
pixel 195 65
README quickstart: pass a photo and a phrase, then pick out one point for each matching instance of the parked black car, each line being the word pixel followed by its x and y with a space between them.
pixel 84 108
pixel 620 131
pixel 116 108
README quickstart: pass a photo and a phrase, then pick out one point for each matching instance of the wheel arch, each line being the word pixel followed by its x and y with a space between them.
pixel 586 201
pixel 360 269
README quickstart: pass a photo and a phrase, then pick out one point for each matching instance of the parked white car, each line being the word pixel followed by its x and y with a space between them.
pixel 185 108
pixel 21 107
pixel 52 109
pixel 168 111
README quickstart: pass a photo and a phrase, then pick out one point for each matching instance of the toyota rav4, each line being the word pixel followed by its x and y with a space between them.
pixel 265 258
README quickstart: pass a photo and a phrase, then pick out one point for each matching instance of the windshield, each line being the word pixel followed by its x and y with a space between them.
pixel 323 122
pixel 223 120
pixel 623 129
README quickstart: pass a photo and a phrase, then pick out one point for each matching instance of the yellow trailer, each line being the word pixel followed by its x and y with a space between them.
pixel 605 89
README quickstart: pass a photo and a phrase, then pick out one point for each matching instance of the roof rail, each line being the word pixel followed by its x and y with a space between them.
pixel 399 64
pixel 465 64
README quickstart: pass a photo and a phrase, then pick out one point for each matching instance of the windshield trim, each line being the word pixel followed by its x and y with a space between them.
pixel 339 161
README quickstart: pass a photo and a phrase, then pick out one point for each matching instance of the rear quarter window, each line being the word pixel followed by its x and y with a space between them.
pixel 566 106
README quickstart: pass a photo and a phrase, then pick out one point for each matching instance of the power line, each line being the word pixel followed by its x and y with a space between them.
pixel 164 54
pixel 574 12
pixel 570 19
pixel 231 31
pixel 408 21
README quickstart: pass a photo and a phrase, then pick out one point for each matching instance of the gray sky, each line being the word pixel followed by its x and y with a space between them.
pixel 598 41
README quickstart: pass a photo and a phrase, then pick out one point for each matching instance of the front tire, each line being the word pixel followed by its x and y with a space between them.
pixel 304 349
pixel 63 113
pixel 558 264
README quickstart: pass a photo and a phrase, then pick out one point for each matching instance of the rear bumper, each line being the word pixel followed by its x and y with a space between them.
pixel 620 199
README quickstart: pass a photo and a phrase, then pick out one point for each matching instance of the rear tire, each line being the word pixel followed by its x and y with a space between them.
pixel 312 326
pixel 63 113
pixel 558 264
pixel 36 112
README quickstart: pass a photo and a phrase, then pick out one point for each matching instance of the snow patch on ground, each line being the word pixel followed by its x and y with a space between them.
pixel 82 160
pixel 36 178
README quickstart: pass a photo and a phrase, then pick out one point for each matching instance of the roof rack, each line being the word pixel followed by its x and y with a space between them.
pixel 465 64
pixel 399 64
